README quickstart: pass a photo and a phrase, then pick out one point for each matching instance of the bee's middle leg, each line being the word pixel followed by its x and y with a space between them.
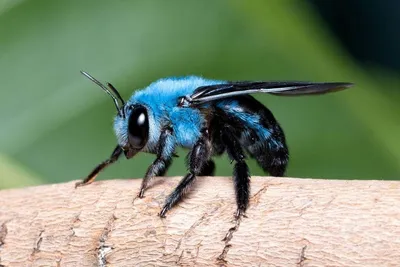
pixel 208 169
pixel 198 157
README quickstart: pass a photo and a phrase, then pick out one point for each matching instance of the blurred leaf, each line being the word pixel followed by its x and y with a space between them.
pixel 14 175
pixel 8 4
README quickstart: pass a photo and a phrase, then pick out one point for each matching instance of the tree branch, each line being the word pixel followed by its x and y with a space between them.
pixel 290 222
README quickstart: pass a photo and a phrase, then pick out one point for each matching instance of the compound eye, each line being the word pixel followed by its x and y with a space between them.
pixel 138 127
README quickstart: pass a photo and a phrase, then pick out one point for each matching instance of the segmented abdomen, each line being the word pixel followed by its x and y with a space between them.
pixel 255 128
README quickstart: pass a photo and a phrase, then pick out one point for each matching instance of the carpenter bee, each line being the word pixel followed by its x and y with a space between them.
pixel 209 117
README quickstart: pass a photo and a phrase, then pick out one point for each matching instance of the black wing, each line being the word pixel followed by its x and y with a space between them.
pixel 218 91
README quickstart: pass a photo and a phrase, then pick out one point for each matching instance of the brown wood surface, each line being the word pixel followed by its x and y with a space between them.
pixel 290 222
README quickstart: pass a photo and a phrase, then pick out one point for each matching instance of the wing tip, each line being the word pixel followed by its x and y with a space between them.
pixel 315 89
pixel 337 86
pixel 345 85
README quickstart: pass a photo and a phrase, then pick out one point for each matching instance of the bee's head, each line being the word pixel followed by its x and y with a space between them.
pixel 131 124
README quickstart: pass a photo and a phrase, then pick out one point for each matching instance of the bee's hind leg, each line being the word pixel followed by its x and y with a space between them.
pixel 241 175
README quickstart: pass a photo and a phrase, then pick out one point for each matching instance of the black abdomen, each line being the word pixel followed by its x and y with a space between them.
pixel 255 127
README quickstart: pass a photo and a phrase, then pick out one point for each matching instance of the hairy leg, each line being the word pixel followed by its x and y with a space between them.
pixel 92 176
pixel 197 158
pixel 241 176
pixel 165 152
pixel 208 169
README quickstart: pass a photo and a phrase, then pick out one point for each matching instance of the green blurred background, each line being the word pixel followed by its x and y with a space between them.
pixel 56 125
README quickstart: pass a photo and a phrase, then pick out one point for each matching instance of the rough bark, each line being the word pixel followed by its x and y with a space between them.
pixel 290 222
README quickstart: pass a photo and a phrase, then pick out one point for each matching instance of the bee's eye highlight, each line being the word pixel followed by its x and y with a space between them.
pixel 138 127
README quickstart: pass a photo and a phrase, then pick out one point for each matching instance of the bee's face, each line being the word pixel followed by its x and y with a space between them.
pixel 138 127
pixel 132 130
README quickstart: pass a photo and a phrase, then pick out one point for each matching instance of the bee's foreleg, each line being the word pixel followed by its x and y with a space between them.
pixel 92 176
pixel 241 176
pixel 165 152
pixel 198 157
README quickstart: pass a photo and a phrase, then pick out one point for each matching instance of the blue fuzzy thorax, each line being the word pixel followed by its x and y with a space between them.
pixel 161 98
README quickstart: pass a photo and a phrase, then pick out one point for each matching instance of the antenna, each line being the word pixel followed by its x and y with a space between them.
pixel 115 91
pixel 120 111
